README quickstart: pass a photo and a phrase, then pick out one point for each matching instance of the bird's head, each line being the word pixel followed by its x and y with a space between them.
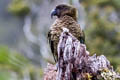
pixel 64 9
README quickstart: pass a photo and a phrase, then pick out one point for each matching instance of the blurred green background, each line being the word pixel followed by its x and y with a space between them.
pixel 24 50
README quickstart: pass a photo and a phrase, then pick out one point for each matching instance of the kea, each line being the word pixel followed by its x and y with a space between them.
pixel 66 18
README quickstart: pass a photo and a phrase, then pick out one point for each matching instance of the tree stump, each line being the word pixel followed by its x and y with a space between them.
pixel 75 63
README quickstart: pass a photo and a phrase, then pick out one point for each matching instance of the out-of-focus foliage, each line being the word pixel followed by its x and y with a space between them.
pixel 14 66
pixel 11 60
pixel 101 3
pixel 115 61
pixel 118 69
pixel 102 36
pixel 19 7
pixel 102 28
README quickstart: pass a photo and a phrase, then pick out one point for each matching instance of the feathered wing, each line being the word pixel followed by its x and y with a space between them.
pixel 52 46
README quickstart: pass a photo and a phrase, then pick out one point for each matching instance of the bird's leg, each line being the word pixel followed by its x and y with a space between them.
pixel 56 66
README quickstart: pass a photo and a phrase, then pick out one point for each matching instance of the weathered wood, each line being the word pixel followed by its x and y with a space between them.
pixel 75 63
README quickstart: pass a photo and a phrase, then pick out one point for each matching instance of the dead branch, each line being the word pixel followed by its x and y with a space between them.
pixel 75 63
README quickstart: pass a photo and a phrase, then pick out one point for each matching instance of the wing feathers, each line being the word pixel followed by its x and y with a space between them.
pixel 51 43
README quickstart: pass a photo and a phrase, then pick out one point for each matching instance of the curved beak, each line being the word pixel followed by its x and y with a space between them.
pixel 53 13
